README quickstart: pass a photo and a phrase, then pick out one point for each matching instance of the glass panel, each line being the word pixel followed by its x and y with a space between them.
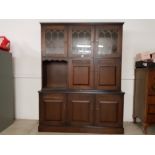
pixel 54 40
pixel 107 42
pixel 81 42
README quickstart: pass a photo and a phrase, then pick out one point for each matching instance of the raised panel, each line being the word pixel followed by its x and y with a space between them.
pixel 53 109
pixel 108 74
pixel 80 109
pixel 108 110
pixel 151 118
pixel 81 74
pixel 151 109
pixel 151 100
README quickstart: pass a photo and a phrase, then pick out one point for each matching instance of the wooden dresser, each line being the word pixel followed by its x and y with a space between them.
pixel 81 78
pixel 144 96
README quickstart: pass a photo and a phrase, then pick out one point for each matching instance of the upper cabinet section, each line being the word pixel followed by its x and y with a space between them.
pixel 54 40
pixel 81 41
pixel 74 40
pixel 108 41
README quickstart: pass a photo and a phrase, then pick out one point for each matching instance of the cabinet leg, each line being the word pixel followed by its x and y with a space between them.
pixel 145 128
pixel 134 119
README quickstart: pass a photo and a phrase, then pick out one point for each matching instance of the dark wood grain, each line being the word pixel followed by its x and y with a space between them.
pixel 108 74
pixel 80 109
pixel 109 110
pixel 81 74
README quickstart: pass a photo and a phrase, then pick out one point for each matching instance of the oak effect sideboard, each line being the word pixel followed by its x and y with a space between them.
pixel 81 78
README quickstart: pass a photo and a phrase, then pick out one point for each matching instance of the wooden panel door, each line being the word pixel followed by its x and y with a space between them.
pixel 54 41
pixel 81 39
pixel 80 109
pixel 108 74
pixel 108 40
pixel 81 74
pixel 109 110
pixel 52 109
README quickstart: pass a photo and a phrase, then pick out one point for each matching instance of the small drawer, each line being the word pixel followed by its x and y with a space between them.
pixel 151 109
pixel 151 100
pixel 151 118
pixel 53 96
pixel 151 82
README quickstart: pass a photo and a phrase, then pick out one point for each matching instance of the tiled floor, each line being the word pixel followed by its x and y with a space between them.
pixel 30 127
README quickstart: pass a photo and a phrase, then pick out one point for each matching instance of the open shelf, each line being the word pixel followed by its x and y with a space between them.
pixel 55 74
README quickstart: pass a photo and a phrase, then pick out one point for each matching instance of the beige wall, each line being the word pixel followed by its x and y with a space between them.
pixel 138 36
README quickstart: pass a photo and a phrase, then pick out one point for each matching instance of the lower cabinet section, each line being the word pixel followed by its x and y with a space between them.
pixel 81 112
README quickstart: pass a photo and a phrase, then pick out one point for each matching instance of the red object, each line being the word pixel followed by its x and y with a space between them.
pixel 4 43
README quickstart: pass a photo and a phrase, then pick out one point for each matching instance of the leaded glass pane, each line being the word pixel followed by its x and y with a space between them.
pixel 81 42
pixel 54 40
pixel 107 42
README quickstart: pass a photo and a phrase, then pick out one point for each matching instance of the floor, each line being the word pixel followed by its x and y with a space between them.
pixel 30 127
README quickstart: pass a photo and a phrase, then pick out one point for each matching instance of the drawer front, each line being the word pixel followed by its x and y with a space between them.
pixel 151 100
pixel 53 96
pixel 151 118
pixel 151 82
pixel 151 109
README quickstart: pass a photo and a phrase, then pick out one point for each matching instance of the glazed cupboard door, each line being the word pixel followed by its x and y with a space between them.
pixel 108 41
pixel 81 41
pixel 108 74
pixel 54 41
pixel 109 110
pixel 81 74
pixel 80 109
pixel 52 109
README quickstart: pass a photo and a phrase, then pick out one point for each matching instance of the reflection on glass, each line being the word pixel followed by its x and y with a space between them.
pixel 81 42
pixel 54 40
pixel 107 42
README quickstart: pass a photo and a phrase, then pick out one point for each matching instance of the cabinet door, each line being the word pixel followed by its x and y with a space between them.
pixel 108 41
pixel 54 41
pixel 52 109
pixel 81 41
pixel 109 110
pixel 80 109
pixel 81 74
pixel 108 74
